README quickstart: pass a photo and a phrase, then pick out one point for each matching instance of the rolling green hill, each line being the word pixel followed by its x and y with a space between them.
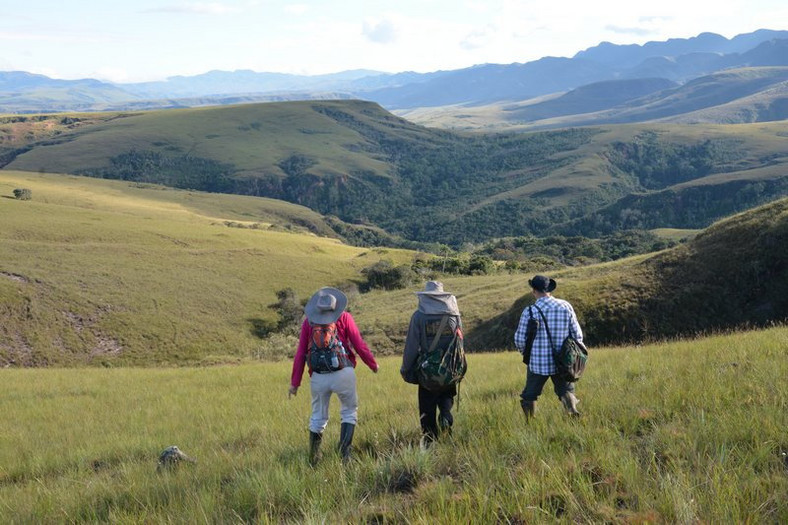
pixel 109 272
pixel 356 161
pixel 732 275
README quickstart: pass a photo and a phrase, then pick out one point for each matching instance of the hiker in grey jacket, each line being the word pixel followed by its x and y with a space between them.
pixel 434 304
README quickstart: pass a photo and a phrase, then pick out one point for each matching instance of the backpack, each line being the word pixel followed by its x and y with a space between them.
pixel 570 359
pixel 326 352
pixel 442 366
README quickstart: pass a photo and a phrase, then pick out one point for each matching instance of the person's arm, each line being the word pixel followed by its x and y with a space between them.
pixel 574 326
pixel 354 336
pixel 411 351
pixel 299 361
pixel 521 333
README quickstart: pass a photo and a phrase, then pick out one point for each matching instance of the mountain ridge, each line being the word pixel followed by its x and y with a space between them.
pixel 675 59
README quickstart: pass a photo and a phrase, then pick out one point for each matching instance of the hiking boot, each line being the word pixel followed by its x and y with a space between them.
pixel 426 442
pixel 445 423
pixel 528 408
pixel 570 404
pixel 314 447
pixel 346 440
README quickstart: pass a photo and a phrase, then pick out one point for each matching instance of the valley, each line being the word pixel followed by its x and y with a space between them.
pixel 159 240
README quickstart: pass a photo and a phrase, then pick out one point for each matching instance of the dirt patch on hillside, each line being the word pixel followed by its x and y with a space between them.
pixel 15 277
pixel 16 352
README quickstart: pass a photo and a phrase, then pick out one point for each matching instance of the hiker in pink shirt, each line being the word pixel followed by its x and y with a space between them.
pixel 328 346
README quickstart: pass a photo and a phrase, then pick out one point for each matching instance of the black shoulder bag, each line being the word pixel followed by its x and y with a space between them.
pixel 530 334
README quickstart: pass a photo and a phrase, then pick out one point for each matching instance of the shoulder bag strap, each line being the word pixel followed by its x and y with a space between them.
pixel 549 337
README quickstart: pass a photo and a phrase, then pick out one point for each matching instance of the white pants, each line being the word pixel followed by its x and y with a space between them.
pixel 343 384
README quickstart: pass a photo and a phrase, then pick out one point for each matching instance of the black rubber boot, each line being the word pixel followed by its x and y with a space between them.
pixel 314 447
pixel 445 422
pixel 528 408
pixel 570 404
pixel 346 440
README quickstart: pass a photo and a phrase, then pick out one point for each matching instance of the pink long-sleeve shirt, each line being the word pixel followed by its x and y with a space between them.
pixel 348 333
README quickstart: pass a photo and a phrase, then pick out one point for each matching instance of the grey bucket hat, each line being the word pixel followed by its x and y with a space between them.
pixel 325 306
pixel 433 288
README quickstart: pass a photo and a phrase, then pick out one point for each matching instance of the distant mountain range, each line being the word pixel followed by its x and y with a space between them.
pixel 595 79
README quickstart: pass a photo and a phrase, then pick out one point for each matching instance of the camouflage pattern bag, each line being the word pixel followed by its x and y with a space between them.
pixel 570 361
pixel 442 366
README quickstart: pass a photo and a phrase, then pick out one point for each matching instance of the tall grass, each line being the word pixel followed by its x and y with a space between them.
pixel 678 432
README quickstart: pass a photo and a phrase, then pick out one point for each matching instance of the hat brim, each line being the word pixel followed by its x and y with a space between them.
pixel 550 287
pixel 318 316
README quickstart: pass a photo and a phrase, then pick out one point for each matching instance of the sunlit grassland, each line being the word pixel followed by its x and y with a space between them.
pixel 674 234
pixel 679 432
pixel 109 272
pixel 481 298
pixel 252 137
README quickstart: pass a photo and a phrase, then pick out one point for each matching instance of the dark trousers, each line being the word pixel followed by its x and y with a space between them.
pixel 432 402
pixel 534 383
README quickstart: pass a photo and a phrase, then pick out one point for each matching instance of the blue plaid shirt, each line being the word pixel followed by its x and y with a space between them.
pixel 561 320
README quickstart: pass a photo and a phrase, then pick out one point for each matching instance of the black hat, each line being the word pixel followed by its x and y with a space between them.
pixel 540 283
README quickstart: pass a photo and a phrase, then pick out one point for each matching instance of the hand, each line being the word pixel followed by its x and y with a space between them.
pixel 293 391
pixel 375 370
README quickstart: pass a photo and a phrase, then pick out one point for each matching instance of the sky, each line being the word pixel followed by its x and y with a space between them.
pixel 144 40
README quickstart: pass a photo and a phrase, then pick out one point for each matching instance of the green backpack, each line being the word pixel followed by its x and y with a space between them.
pixel 442 366
pixel 570 360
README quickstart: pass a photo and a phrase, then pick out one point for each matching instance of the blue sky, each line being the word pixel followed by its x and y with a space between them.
pixel 140 40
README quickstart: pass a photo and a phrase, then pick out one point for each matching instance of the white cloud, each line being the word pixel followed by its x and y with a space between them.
pixel 639 31
pixel 475 40
pixel 296 9
pixel 477 6
pixel 111 74
pixel 381 32
pixel 200 8
pixel 651 19
pixel 56 37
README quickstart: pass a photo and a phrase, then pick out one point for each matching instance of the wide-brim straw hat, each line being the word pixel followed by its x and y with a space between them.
pixel 325 306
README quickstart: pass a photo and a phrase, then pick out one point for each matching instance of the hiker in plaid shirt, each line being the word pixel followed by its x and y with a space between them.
pixel 561 321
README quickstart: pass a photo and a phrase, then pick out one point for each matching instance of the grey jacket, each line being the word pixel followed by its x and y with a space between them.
pixel 423 325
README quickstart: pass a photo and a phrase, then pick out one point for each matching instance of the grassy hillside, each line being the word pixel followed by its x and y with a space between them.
pixel 733 274
pixel 356 161
pixel 254 139
pixel 105 272
pixel 683 432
